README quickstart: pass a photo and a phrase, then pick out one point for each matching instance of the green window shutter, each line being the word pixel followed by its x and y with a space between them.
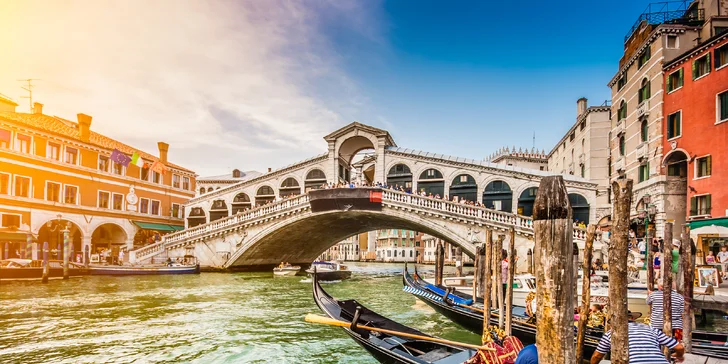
pixel 649 92
pixel 723 105
pixel 708 167
pixel 669 83
pixel 695 69
pixel 693 206
pixel 670 120
pixel 678 124
pixel 680 78
pixel 707 204
pixel 707 61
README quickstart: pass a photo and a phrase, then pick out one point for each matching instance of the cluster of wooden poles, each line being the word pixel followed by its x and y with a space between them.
pixel 556 254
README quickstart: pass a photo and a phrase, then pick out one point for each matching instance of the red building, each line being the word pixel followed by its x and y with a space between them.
pixel 695 125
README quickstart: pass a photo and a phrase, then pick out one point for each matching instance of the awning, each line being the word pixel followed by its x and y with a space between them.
pixel 14 236
pixel 708 222
pixel 158 227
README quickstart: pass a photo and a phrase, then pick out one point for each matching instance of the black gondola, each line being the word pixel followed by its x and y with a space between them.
pixel 714 345
pixel 387 348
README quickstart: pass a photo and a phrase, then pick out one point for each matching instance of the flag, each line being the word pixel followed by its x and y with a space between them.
pixel 137 160
pixel 159 167
pixel 120 158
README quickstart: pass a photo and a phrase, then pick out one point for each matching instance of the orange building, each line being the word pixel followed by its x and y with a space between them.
pixel 57 173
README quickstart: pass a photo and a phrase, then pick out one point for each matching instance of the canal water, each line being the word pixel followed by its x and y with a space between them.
pixel 206 318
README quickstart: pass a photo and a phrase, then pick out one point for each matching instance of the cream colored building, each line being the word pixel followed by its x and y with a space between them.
pixel 584 151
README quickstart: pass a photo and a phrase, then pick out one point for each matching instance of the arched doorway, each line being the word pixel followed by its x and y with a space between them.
pixel 106 241
pixel 579 208
pixel 196 217
pixel 432 182
pixel 400 175
pixel 315 179
pixel 241 202
pixel 677 164
pixel 498 195
pixel 526 200
pixel 289 187
pixel 347 151
pixel 218 210
pixel 464 187
pixel 264 195
pixel 52 232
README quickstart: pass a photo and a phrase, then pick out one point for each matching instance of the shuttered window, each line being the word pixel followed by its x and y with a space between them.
pixel 700 205
pixel 723 106
pixel 674 125
pixel 675 80
pixel 703 166
pixel 721 56
pixel 701 66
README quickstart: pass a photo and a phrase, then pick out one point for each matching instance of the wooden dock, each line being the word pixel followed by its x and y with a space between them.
pixel 711 302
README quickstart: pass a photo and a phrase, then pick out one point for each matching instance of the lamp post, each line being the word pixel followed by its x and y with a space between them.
pixel 648 213
pixel 60 227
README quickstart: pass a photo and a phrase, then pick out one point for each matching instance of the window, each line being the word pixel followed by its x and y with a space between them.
pixel 176 210
pixel 4 184
pixel 673 125
pixel 571 137
pixel 672 42
pixel 721 56
pixel 622 112
pixel 703 166
pixel 644 57
pixel 71 155
pixel 117 201
pixel 644 172
pixel 582 125
pixel 70 195
pixel 53 191
pixel 145 172
pixel 4 138
pixel 22 143
pixel 22 186
pixel 117 169
pixel 621 145
pixel 53 151
pixel 675 80
pixel 144 205
pixel 175 181
pixel 700 205
pixel 10 220
pixel 701 66
pixel 722 107
pixel 103 200
pixel 103 163
pixel 463 178
pixel 583 171
pixel 156 210
pixel 644 92
pixel 156 177
pixel 186 183
pixel 622 82
pixel 644 130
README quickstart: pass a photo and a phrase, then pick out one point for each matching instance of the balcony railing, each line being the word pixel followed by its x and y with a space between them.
pixel 643 110
pixel 642 151
pixel 668 12
pixel 619 164
pixel 700 211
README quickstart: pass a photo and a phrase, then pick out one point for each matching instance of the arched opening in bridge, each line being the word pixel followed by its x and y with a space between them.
pixel 499 196
pixel 241 202
pixel 106 241
pixel 196 217
pixel 526 200
pixel 202 190
pixel 579 208
pixel 218 210
pixel 464 187
pixel 432 182
pixel 400 175
pixel 363 166
pixel 315 179
pixel 289 188
pixel 264 195
pixel 54 236
pixel 350 148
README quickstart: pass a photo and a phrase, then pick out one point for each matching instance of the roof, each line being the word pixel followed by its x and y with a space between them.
pixel 6 100
pixel 244 176
pixel 699 49
pixel 69 129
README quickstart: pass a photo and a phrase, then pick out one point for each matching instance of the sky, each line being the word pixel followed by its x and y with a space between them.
pixel 254 84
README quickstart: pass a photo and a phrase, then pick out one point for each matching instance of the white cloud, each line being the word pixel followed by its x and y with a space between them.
pixel 226 83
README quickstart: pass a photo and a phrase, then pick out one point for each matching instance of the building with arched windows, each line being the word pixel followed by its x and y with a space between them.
pixel 213 183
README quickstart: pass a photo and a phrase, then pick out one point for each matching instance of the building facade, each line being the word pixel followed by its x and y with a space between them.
pixel 212 183
pixel 57 174
pixel 584 151
pixel 696 125
pixel 396 245
pixel 345 250
pixel 523 158
pixel 638 92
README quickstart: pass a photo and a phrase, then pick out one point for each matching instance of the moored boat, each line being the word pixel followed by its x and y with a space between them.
pixel 329 271
pixel 285 269
pixel 384 347
pixel 129 270
pixel 27 269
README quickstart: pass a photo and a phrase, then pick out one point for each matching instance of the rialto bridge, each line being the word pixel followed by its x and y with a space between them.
pixel 269 219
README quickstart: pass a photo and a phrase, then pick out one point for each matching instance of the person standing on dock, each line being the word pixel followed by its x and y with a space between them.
pixel 655 300
pixel 504 272
pixel 644 346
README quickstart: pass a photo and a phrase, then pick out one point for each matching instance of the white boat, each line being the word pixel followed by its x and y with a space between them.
pixel 286 270
pixel 329 271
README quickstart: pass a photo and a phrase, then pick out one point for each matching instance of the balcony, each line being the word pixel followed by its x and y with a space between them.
pixel 571 168
pixel 643 110
pixel 619 128
pixel 642 151
pixel 619 165
pixel 668 12
pixel 582 157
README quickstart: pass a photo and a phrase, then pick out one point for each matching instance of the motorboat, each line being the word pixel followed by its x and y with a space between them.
pixel 329 271
pixel 285 269
pixel 28 269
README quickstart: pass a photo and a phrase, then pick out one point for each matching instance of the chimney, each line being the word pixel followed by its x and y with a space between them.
pixel 270 169
pixel 580 106
pixel 37 108
pixel 236 173
pixel 84 126
pixel 163 148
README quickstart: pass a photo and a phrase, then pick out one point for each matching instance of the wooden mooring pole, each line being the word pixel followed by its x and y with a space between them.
pixel 650 260
pixel 667 281
pixel 585 292
pixel 439 262
pixel 687 269
pixel 618 249
pixel 499 281
pixel 476 271
pixel 459 261
pixel 486 274
pixel 553 227
pixel 511 273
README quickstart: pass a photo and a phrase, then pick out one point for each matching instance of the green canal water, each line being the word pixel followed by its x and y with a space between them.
pixel 206 318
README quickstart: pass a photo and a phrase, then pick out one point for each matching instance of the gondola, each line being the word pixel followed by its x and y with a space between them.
pixel 714 345
pixel 387 348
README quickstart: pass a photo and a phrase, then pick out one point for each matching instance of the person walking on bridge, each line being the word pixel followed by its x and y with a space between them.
pixel 655 300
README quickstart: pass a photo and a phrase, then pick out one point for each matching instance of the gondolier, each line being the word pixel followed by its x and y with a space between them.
pixel 655 299
pixel 644 345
